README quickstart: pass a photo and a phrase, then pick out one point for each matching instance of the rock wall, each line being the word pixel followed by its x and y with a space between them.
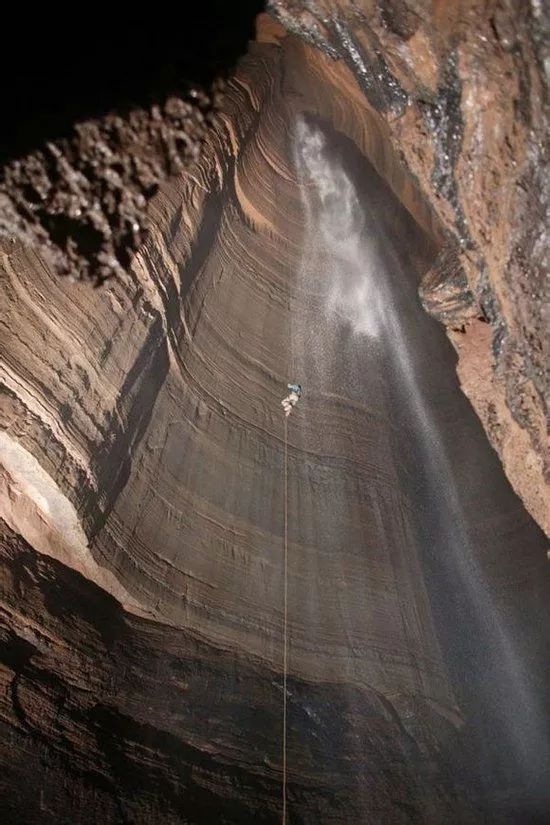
pixel 142 456
pixel 462 91
pixel 100 114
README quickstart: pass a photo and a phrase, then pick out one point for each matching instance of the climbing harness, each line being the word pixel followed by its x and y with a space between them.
pixel 288 404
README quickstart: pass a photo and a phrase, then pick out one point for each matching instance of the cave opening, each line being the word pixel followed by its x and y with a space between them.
pixel 76 68
pixel 102 110
pixel 141 544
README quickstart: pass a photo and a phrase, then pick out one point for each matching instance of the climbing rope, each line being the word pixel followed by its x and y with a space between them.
pixel 285 618
pixel 288 405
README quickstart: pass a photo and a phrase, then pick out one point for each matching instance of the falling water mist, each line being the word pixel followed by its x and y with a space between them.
pixel 353 278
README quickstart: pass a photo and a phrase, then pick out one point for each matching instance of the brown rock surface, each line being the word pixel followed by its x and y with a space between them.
pixel 82 199
pixel 462 91
pixel 142 460
pixel 102 110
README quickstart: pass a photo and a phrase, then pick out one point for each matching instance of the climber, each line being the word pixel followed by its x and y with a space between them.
pixel 292 398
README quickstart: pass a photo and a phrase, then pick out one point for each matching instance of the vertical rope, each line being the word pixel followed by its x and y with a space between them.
pixel 285 618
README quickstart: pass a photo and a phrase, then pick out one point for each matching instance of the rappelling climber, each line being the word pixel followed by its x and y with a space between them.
pixel 292 398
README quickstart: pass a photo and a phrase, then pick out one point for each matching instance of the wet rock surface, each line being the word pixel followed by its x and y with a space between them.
pixel 464 93
pixel 141 493
pixel 463 90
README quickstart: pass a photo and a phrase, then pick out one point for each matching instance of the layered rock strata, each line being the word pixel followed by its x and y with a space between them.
pixel 462 91
pixel 143 485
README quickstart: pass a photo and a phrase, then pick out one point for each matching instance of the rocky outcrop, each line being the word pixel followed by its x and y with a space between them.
pixel 102 112
pixel 82 199
pixel 462 91
pixel 142 456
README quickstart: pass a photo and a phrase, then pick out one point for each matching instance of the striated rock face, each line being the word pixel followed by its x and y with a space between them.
pixel 142 498
pixel 462 92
